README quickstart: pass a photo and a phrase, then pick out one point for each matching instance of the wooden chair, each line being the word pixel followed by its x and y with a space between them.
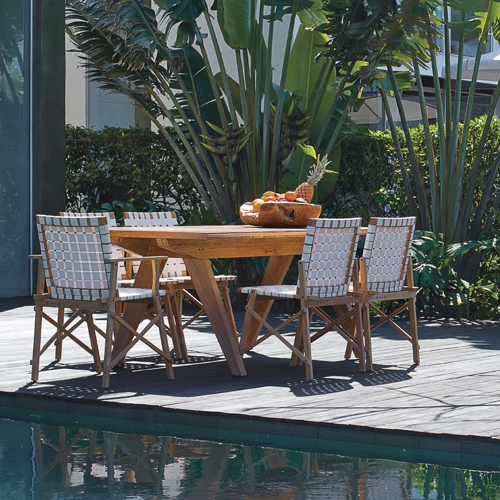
pixel 176 281
pixel 384 267
pixel 77 317
pixel 325 274
pixel 81 274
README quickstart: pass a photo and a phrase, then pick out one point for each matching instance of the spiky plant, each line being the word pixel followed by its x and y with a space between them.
pixel 306 189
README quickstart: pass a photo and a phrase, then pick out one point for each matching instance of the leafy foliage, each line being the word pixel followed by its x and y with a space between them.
pixel 368 183
pixel 127 166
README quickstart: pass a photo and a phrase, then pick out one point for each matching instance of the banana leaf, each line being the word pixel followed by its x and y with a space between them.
pixel 194 75
pixel 235 21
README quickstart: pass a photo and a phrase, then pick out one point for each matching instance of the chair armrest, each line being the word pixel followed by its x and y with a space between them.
pixel 155 263
pixel 137 259
pixel 40 279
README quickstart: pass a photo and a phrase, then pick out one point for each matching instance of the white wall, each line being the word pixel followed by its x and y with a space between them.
pixel 75 88
pixel 88 105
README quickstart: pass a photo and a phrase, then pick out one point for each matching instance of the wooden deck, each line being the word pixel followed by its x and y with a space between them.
pixel 448 404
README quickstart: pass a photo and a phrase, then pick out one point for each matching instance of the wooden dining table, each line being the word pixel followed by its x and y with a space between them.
pixel 197 245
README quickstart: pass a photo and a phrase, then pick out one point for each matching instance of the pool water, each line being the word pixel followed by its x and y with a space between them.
pixel 46 461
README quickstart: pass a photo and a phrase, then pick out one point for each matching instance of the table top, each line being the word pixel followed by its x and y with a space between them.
pixel 206 232
pixel 230 241
pixel 210 242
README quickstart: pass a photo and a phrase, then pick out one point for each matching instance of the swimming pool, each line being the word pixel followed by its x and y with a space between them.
pixel 40 460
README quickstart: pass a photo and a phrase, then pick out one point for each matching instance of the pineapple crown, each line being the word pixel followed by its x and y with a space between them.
pixel 318 170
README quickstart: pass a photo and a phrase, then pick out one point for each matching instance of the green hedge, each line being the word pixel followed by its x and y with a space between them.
pixel 368 183
pixel 133 165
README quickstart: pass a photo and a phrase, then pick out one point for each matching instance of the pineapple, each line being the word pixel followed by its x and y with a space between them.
pixel 306 189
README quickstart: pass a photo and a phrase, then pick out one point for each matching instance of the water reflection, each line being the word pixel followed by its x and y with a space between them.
pixel 40 461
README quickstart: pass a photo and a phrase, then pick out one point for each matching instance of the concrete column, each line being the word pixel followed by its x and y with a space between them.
pixel 48 106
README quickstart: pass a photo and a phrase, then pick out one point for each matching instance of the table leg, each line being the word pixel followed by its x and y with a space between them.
pixel 276 270
pixel 203 278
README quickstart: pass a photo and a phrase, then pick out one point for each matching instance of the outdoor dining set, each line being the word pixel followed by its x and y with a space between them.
pixel 142 273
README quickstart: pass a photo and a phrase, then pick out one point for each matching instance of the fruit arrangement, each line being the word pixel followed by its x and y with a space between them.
pixel 303 193
pixel 271 196
pixel 290 209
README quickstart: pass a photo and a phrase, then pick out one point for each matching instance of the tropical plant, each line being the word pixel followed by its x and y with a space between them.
pixel 247 132
pixel 450 198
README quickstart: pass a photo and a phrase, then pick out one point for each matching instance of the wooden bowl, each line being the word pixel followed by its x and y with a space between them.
pixel 279 214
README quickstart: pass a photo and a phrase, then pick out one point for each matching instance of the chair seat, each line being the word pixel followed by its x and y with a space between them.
pixel 179 280
pixel 129 293
pixel 279 291
pixel 184 280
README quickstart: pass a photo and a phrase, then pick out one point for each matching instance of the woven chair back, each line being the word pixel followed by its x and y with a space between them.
pixel 117 252
pixel 329 254
pixel 74 253
pixel 386 252
pixel 175 267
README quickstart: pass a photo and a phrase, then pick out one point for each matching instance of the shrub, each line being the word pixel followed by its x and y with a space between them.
pixel 369 181
pixel 134 165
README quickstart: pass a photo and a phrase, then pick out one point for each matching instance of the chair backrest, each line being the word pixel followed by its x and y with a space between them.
pixel 74 251
pixel 110 217
pixel 144 219
pixel 174 267
pixel 386 252
pixel 328 256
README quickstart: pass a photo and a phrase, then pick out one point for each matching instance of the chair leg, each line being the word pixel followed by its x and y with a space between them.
pixel 252 298
pixel 175 325
pixel 178 301
pixel 229 310
pixel 299 343
pixel 119 310
pixel 59 339
pixel 93 341
pixel 110 323
pixel 368 336
pixel 349 348
pixel 37 341
pixel 163 336
pixel 359 335
pixel 304 325
pixel 414 330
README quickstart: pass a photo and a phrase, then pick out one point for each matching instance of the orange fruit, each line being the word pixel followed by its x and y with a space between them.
pixel 269 198
pixel 256 204
pixel 267 194
pixel 291 195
